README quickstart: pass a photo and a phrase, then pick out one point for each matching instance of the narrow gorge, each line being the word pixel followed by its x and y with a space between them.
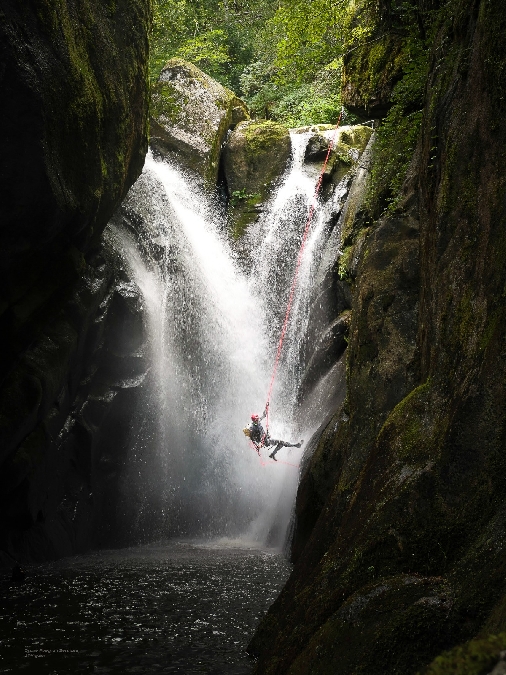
pixel 151 230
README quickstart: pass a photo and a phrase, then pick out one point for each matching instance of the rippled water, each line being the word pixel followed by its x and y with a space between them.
pixel 177 608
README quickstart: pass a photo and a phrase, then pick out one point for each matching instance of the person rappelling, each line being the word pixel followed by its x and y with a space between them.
pixel 261 438
pixel 255 431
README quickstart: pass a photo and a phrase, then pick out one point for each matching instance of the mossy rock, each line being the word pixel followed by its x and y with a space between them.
pixel 255 156
pixel 418 469
pixel 413 430
pixel 190 115
pixel 374 628
pixel 74 118
pixel 370 73
pixel 316 148
pixel 476 657
pixel 349 144
pixel 356 136
pixel 73 138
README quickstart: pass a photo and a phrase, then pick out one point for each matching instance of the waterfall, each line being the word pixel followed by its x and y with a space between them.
pixel 212 330
pixel 280 233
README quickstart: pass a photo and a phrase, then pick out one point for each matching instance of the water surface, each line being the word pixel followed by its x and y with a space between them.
pixel 177 608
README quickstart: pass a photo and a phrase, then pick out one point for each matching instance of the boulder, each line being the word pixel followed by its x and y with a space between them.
pixel 254 157
pixel 350 143
pixel 191 116
pixel 316 148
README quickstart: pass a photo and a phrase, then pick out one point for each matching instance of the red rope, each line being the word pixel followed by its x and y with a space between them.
pixel 311 213
pixel 264 462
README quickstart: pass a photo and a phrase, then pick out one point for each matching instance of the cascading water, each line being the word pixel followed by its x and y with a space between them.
pixel 212 334
pixel 280 234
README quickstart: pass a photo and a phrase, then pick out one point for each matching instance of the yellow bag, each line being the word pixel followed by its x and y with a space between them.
pixel 245 431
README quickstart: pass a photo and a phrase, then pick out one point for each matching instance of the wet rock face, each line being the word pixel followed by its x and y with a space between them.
pixel 65 413
pixel 191 115
pixel 329 315
pixel 317 148
pixel 254 157
pixel 327 351
pixel 73 136
pixel 407 480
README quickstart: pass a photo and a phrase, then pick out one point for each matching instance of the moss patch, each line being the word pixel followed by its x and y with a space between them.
pixel 413 430
pixel 370 73
pixel 89 159
pixel 477 657
pixel 255 156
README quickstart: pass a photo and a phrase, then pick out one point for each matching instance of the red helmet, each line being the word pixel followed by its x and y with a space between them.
pixel 255 418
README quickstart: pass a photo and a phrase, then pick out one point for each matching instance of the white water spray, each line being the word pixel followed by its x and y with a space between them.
pixel 213 331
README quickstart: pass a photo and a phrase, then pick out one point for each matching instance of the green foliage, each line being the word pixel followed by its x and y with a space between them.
pixel 345 262
pixel 217 35
pixel 209 51
pixel 285 59
pixel 310 36
pixel 241 195
pixel 173 23
pixel 282 58
pixel 306 105
pixel 318 102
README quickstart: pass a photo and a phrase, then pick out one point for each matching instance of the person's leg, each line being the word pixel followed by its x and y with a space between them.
pixel 282 444
pixel 279 445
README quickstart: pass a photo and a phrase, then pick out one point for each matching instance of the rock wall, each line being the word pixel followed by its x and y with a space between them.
pixel 73 136
pixel 401 546
pixel 370 72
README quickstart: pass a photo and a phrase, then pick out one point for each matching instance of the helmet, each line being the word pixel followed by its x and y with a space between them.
pixel 255 418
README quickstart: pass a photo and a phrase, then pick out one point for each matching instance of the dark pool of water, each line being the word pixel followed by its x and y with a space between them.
pixel 177 608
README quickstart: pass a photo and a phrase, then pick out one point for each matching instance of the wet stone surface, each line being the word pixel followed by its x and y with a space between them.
pixel 177 608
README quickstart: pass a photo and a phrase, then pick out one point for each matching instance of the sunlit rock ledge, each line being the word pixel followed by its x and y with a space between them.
pixel 191 115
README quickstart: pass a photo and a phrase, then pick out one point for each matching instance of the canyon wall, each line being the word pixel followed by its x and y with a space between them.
pixel 400 542
pixel 73 136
